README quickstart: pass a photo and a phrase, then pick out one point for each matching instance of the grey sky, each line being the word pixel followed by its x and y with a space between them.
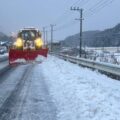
pixel 16 14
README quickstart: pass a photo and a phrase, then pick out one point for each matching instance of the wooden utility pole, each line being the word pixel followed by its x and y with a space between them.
pixel 44 34
pixel 52 26
pixel 81 26
pixel 46 37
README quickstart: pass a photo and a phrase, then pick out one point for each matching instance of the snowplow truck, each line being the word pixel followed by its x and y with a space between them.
pixel 27 47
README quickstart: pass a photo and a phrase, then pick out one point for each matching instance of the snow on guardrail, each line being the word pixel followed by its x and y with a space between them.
pixel 106 67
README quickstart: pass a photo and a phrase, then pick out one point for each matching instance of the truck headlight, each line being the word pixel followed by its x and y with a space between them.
pixel 38 43
pixel 19 43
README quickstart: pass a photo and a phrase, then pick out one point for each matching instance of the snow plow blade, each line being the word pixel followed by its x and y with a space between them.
pixel 26 56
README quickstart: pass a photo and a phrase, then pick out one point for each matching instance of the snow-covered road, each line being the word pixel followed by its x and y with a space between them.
pixel 58 90
pixel 24 95
pixel 3 57
pixel 3 64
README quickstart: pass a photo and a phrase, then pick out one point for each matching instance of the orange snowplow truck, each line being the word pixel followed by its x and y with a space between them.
pixel 27 46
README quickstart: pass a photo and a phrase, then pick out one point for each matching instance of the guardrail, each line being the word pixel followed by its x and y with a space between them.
pixel 106 67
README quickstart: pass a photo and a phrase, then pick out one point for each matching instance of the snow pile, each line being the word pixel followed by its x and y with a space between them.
pixel 40 58
pixel 20 61
pixel 79 93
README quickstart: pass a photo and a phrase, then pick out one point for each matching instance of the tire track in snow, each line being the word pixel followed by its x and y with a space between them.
pixel 10 102
pixel 30 99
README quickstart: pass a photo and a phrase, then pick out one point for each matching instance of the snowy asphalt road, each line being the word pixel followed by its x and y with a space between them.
pixel 24 95
pixel 3 57
pixel 3 64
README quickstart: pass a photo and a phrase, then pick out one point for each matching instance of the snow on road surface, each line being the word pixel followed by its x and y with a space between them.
pixel 3 65
pixel 8 83
pixel 80 93
pixel 24 95
pixel 3 57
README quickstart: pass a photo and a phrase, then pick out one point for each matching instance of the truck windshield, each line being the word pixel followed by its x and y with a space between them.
pixel 28 34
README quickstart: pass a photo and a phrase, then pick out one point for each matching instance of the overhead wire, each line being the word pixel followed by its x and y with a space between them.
pixel 91 11
pixel 97 7
pixel 59 20
pixel 76 2
pixel 71 23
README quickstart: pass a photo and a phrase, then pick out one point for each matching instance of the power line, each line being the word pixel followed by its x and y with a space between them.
pixel 88 11
pixel 65 15
pixel 83 3
pixel 102 4
pixel 76 2
pixel 70 24
pixel 91 11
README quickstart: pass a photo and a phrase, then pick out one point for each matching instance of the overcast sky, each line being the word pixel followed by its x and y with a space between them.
pixel 16 14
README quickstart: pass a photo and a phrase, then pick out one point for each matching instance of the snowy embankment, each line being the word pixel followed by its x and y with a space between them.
pixel 79 93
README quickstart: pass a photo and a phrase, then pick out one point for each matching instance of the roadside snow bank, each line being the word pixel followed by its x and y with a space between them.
pixel 81 94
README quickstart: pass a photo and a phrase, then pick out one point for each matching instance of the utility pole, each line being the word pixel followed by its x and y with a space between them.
pixel 81 23
pixel 52 26
pixel 44 34
pixel 46 37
